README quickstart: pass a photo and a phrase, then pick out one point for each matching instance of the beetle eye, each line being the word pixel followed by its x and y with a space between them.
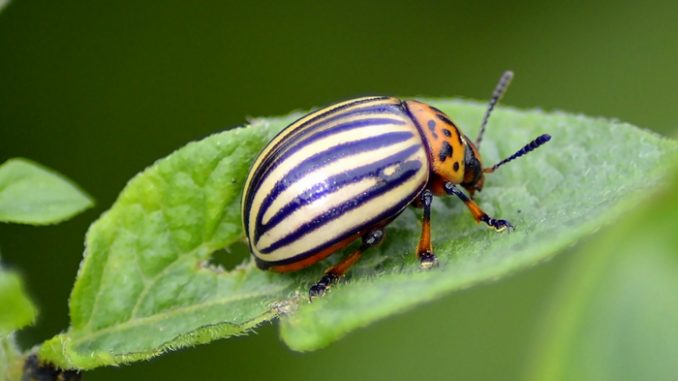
pixel 472 167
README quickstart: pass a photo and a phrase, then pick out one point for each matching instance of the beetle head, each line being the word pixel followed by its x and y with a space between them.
pixel 474 178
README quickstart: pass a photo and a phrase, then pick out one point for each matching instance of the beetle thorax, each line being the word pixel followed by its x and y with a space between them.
pixel 447 146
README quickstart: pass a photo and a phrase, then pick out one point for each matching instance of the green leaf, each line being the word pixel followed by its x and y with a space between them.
pixel 146 285
pixel 590 173
pixel 3 4
pixel 615 315
pixel 33 194
pixel 16 311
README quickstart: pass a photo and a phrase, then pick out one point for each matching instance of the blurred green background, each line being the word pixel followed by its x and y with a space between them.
pixel 99 90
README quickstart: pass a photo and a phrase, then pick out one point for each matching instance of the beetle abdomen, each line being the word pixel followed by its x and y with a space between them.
pixel 330 176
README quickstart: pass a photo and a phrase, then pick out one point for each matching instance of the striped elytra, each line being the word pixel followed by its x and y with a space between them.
pixel 334 174
pixel 345 171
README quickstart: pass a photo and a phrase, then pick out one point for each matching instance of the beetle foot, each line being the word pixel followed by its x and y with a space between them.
pixel 319 289
pixel 427 260
pixel 501 225
pixel 498 225
pixel 316 291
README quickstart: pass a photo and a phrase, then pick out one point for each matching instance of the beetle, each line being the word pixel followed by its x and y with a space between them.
pixel 346 171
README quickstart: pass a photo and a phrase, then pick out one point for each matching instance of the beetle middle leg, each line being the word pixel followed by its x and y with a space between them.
pixel 478 214
pixel 425 249
pixel 331 276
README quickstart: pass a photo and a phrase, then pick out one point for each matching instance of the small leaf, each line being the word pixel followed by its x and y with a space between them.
pixel 16 311
pixel 145 285
pixel 615 316
pixel 33 194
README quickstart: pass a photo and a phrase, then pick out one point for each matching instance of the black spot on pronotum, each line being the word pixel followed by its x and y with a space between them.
pixel 445 119
pixel 432 126
pixel 445 151
pixel 447 132
pixel 456 166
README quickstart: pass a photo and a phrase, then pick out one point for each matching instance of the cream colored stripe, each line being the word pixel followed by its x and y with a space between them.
pixel 313 148
pixel 302 153
pixel 343 224
pixel 314 209
pixel 321 175
pixel 343 118
pixel 295 126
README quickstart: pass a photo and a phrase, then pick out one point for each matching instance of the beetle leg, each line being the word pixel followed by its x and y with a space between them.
pixel 478 214
pixel 425 250
pixel 370 239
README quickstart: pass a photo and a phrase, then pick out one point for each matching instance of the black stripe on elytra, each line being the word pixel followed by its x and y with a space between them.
pixel 420 129
pixel 306 129
pixel 412 167
pixel 321 159
pixel 386 215
pixel 272 161
pixel 263 172
pixel 338 109
pixel 321 115
pixel 276 158
pixel 335 183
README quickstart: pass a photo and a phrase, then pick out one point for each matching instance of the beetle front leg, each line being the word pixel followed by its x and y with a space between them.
pixel 478 214
pixel 425 249
pixel 331 276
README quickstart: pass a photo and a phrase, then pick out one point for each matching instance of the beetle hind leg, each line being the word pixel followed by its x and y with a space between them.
pixel 331 276
pixel 425 254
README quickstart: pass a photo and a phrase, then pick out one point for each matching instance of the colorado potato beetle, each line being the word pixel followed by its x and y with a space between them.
pixel 346 171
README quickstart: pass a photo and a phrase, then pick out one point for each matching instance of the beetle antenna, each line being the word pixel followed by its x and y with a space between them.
pixel 526 149
pixel 499 91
